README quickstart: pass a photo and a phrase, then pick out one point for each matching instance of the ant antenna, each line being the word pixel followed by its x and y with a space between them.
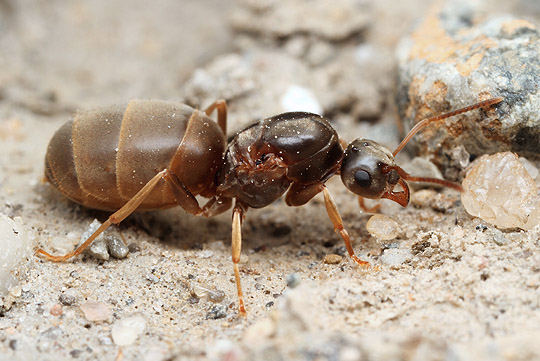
pixel 423 123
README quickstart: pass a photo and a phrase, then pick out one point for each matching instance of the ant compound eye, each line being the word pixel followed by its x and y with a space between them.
pixel 362 178
pixel 361 170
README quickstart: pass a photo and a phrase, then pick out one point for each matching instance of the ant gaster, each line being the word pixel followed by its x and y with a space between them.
pixel 152 155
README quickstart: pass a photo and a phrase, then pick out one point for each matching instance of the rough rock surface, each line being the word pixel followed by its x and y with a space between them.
pixel 458 56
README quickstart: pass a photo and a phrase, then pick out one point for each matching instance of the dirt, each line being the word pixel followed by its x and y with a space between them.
pixel 448 287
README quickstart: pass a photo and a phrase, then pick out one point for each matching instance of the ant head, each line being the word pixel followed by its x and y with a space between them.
pixel 368 169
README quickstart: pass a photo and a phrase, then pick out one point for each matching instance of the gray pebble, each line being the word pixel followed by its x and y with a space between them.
pixel 134 247
pixel 215 296
pixel 67 299
pixel 75 353
pixel 216 312
pixel 498 237
pixel 117 247
pixel 293 280
pixel 98 250
pixel 52 333
pixel 152 278
pixel 508 66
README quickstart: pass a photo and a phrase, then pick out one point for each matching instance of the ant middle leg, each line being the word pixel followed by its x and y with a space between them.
pixel 239 213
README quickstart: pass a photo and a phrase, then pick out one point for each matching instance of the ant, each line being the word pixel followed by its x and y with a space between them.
pixel 150 155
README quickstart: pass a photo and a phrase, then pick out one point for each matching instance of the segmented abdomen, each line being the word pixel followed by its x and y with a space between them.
pixel 103 157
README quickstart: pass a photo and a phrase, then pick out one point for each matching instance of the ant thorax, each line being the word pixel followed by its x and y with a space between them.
pixel 255 177
pixel 264 159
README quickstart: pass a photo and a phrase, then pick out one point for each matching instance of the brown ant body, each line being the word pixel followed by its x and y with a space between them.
pixel 152 155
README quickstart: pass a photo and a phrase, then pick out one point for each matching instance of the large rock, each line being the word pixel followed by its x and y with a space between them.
pixel 456 58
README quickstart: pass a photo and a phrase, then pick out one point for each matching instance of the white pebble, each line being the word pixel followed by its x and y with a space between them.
pixel 382 227
pixel 499 190
pixel 16 247
pixel 395 256
pixel 298 98
pixel 96 311
pixel 126 330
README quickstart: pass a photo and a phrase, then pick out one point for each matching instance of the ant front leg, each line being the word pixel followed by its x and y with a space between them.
pixel 375 209
pixel 300 194
pixel 335 217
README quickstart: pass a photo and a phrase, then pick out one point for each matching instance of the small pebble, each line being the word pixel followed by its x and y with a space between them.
pixel 75 353
pixel 96 311
pixel 498 237
pixel 105 340
pixel 126 330
pixel 383 227
pixel 117 248
pixel 98 249
pixel 298 98
pixel 423 198
pixel 206 253
pixel 216 296
pixel 216 312
pixel 152 278
pixel 56 310
pixel 67 299
pixel 52 333
pixel 293 280
pixel 441 203
pixel 332 259
pixel 134 247
pixel 395 256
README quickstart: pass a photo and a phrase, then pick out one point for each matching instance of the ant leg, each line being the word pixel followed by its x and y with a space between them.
pixel 115 218
pixel 188 202
pixel 239 213
pixel 333 213
pixel 216 205
pixel 221 106
pixel 375 209
pixel 300 194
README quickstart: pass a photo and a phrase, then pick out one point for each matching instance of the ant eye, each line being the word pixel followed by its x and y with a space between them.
pixel 362 178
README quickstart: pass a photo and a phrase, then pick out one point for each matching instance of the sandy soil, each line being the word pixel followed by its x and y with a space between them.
pixel 449 287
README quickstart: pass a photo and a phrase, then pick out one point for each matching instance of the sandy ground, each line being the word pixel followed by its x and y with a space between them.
pixel 449 287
